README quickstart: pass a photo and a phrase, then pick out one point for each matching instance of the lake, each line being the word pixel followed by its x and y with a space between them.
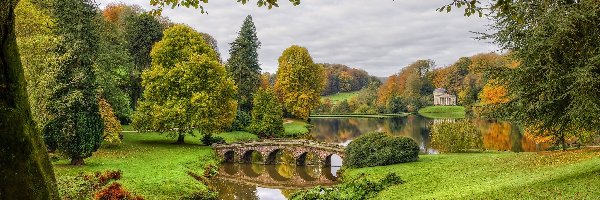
pixel 275 182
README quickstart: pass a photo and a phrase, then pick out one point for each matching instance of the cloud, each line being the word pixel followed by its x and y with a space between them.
pixel 379 36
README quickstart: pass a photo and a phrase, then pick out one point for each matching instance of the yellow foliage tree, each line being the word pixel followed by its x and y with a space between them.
pixel 112 126
pixel 494 93
pixel 299 81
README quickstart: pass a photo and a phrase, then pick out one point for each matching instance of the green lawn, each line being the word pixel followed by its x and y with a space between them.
pixel 294 127
pixel 238 136
pixel 335 98
pixel 548 175
pixel 151 165
pixel 436 112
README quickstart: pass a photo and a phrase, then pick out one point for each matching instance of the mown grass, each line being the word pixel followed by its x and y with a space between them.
pixel 437 112
pixel 573 174
pixel 151 165
pixel 238 136
pixel 295 128
pixel 336 98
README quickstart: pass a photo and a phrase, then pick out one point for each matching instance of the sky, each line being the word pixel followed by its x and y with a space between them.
pixel 379 36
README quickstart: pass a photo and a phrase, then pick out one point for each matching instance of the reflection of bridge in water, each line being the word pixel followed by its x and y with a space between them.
pixel 288 177
pixel 269 149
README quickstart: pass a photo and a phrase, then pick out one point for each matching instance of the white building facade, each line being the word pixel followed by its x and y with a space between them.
pixel 442 98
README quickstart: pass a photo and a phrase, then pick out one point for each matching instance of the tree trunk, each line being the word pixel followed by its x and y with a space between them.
pixel 25 171
pixel 180 139
pixel 563 142
pixel 77 161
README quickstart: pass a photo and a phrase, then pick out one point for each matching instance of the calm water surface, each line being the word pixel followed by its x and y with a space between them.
pixel 266 182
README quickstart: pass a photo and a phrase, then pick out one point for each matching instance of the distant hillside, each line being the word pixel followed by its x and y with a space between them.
pixel 341 78
pixel 382 79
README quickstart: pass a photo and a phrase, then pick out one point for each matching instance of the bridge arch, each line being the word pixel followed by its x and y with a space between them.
pixel 229 156
pixel 327 160
pixel 249 155
pixel 272 156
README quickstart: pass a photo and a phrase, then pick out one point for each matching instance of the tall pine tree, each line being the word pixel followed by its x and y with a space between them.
pixel 243 63
pixel 76 127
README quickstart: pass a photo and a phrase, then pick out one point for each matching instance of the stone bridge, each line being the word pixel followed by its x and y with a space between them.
pixel 269 176
pixel 268 149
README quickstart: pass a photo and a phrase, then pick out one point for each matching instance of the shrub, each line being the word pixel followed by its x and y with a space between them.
pixel 377 149
pixel 267 115
pixel 115 192
pixel 209 139
pixel 241 121
pixel 88 186
pixel 112 126
pixel 359 188
pixel 456 137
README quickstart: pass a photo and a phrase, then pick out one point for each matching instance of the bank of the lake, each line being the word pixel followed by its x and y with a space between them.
pixel 443 112
pixel 339 97
pixel 358 115
pixel 573 174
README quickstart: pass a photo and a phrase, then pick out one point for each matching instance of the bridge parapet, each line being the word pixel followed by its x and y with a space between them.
pixel 241 152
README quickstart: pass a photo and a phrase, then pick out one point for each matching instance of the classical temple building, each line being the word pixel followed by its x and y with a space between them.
pixel 442 98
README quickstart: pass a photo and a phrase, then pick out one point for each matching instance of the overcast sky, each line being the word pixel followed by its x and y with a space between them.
pixel 379 36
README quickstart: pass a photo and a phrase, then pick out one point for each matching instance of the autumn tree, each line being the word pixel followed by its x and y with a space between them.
pixel 410 84
pixel 243 63
pixel 299 81
pixel 112 126
pixel 267 114
pixel 186 88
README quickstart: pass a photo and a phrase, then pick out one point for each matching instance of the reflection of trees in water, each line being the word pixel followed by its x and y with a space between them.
pixel 505 136
pixel 497 135
pixel 234 191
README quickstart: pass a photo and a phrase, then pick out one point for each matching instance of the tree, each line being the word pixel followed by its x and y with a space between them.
pixel 243 63
pixel 113 67
pixel 267 115
pixel 554 89
pixel 410 85
pixel 186 88
pixel 299 81
pixel 26 172
pixel 141 32
pixel 112 126
pixel 76 126
pixel 36 44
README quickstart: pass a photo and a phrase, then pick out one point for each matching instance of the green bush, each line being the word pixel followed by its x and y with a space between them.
pixel 241 121
pixel 456 137
pixel 209 139
pixel 360 188
pixel 267 115
pixel 378 149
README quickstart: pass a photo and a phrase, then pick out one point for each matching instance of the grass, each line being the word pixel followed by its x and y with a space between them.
pixel 358 115
pixel 336 98
pixel 295 128
pixel 237 136
pixel 437 112
pixel 546 175
pixel 151 165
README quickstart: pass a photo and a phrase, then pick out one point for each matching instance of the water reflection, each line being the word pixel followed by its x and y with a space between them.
pixel 256 181
pixel 497 135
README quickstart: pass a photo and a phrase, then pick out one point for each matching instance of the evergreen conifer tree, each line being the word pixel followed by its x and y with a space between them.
pixel 243 63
